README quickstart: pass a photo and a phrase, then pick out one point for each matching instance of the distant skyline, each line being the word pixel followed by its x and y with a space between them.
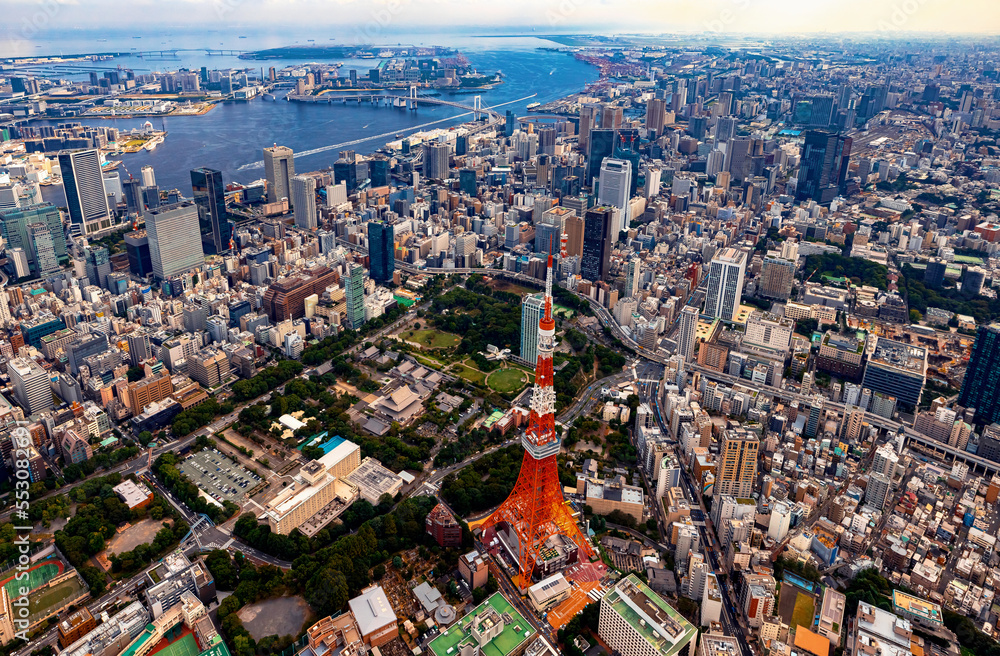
pixel 351 20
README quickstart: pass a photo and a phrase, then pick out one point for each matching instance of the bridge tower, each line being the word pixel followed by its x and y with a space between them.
pixel 536 509
pixel 477 106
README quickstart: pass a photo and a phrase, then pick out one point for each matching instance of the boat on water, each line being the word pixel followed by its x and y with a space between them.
pixel 533 105
pixel 399 135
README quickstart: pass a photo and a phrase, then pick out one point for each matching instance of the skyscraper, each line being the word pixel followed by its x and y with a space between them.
pixel 776 277
pixel 823 170
pixel 354 294
pixel 32 388
pixel 436 156
pixel 602 145
pixel 573 226
pixel 97 261
pixel 43 249
pixel 279 168
pixel 213 219
pixel 532 309
pixel 596 244
pixel 148 176
pixel 174 246
pixel 633 276
pixel 304 201
pixel 14 229
pixel 138 347
pixel 83 184
pixel 725 129
pixel 137 248
pixel 381 251
pixel 981 385
pixel 614 190
pixel 736 472
pixel 725 283
pixel 688 333
pixel 586 125
pixel 656 109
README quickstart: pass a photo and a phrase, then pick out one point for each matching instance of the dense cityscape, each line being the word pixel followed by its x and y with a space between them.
pixel 699 360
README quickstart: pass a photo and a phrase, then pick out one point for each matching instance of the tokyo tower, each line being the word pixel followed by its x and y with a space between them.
pixel 536 509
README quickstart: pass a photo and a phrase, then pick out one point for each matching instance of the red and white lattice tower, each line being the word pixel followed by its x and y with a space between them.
pixel 536 509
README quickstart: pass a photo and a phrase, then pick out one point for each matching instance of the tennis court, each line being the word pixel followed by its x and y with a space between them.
pixel 38 575
pixel 183 646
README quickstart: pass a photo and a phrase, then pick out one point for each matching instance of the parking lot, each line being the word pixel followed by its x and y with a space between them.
pixel 218 476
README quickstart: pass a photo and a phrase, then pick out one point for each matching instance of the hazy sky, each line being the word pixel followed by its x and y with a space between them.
pixel 385 17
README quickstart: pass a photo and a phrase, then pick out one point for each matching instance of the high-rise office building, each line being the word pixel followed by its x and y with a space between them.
pixel 32 387
pixel 381 251
pixel 83 184
pixel 532 309
pixel 14 224
pixel 725 129
pixel 776 277
pixel 279 169
pixel 213 218
pixel 132 190
pixel 43 250
pixel 148 176
pixel 823 170
pixel 597 242
pixel 736 471
pixel 304 201
pixel 97 262
pixel 138 347
pixel 436 158
pixel 602 146
pixel 174 243
pixel 899 370
pixel 633 276
pixel 725 283
pixel 354 294
pixel 614 189
pixel 573 227
pixel 656 112
pixel 688 333
pixel 137 249
pixel 981 385
pixel 587 123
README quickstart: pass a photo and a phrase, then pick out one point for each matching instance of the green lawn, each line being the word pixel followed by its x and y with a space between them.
pixel 50 598
pixel 432 338
pixel 804 611
pixel 468 373
pixel 506 380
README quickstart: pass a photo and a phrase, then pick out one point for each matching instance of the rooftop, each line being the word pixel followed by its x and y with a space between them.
pixel 921 608
pixel 902 357
pixel 371 610
pixel 650 616
pixel 515 632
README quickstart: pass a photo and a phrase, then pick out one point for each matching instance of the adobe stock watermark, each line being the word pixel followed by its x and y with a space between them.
pixel 38 18
pixel 562 11
pixel 223 8
pixel 900 15
pixel 22 482
pixel 727 16
pixel 381 16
